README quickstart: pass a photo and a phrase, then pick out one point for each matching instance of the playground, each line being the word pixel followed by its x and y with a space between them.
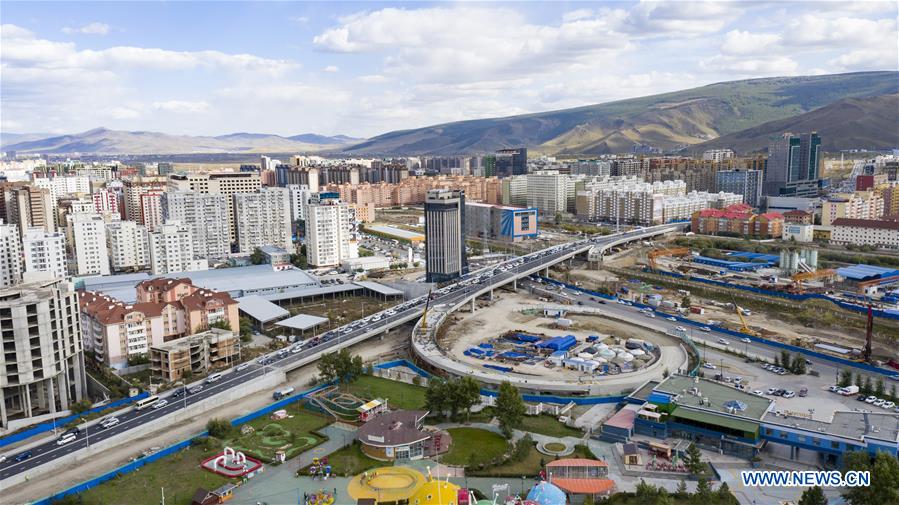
pixel 386 484
pixel 232 464
pixel 279 435
pixel 335 403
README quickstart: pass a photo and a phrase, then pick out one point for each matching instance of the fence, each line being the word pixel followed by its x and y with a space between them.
pixel 563 400
pixel 765 341
pixel 403 362
pixel 48 426
pixel 130 467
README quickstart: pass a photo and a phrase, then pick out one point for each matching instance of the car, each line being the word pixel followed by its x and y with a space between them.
pixel 178 393
pixel 738 379
pixel 649 314
pixel 242 367
pixel 758 393
pixel 295 349
pixel 74 431
pixel 727 379
pixel 878 402
pixel 22 456
pixel 709 366
pixel 861 398
pixel 789 394
pixel 706 329
pixel 745 340
pixel 674 319
pixel 722 341
pixel 680 328
pixel 771 391
pixel 803 392
pixel 871 399
pixel 109 422
pixel 888 405
pixel 196 389
pixel 66 438
pixel 160 404
pixel 833 389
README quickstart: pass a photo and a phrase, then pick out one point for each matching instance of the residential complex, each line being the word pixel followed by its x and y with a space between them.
pixel 43 358
pixel 194 355
pixel 445 231
pixel 129 246
pixel 549 192
pixel 88 237
pixel 45 252
pixel 738 220
pixel 857 205
pixel 792 168
pixel 330 231
pixel 872 232
pixel 207 217
pixel 10 255
pixel 171 250
pixel 225 183
pixel 747 183
pixel 263 218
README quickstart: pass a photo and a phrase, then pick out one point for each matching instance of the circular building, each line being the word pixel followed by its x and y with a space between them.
pixel 544 493
pixel 398 435
pixel 436 492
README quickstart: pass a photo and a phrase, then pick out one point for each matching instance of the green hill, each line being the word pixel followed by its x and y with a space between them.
pixel 668 121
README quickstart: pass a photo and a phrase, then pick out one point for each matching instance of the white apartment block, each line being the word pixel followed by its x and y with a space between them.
pixel 134 188
pixel 299 198
pixel 88 232
pixel 865 232
pixel 64 185
pixel 549 192
pixel 129 245
pixel 718 154
pixel 857 205
pixel 45 252
pixel 151 210
pixel 10 255
pixel 105 200
pixel 227 183
pixel 207 217
pixel 330 237
pixel 171 250
pixel 263 218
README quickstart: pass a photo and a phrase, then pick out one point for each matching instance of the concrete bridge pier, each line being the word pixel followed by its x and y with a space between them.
pixel 472 305
pixel 515 284
pixel 546 272
pixel 491 295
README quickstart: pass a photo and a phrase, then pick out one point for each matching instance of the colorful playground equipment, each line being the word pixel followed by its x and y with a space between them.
pixel 231 464
pixel 386 484
pixel 320 469
pixel 322 497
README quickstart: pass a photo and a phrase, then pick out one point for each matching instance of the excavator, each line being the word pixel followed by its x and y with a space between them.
pixel 659 253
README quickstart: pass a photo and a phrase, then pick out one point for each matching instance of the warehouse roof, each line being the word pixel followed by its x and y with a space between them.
pixel 866 272
pixel 712 396
pixel 302 322
pixel 379 288
pixel 260 309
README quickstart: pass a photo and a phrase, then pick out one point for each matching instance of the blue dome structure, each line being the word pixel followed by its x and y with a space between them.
pixel 545 493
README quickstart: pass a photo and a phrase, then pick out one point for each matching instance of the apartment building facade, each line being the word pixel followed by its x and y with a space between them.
pixel 207 217
pixel 45 252
pixel 263 218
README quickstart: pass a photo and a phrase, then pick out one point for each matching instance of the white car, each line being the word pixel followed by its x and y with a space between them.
pixel 878 402
pixel 649 314
pixel 833 389
pixel 65 439
pixel 706 329
pixel 745 340
pixel 709 366
pixel 888 405
pixel 758 393
pixel 2 458
pixel 771 391
pixel 871 399
pixel 109 422
pixel 674 319
pixel 242 367
pixel 723 342
pixel 160 404
pixel 789 394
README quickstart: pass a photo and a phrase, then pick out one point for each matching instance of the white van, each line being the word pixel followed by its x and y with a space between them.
pixel 213 378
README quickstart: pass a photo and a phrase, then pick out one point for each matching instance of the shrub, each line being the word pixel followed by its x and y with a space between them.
pixel 218 428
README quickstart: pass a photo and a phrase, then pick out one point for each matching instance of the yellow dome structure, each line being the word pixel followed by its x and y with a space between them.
pixel 436 492
pixel 386 484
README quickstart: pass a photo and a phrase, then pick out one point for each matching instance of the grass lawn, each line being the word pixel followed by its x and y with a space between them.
pixel 179 473
pixel 529 466
pixel 352 461
pixel 548 425
pixel 473 445
pixel 293 434
pixel 399 395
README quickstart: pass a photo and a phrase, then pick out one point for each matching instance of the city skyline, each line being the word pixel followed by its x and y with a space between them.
pixel 364 69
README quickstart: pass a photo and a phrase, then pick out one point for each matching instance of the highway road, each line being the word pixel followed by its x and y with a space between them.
pixel 470 285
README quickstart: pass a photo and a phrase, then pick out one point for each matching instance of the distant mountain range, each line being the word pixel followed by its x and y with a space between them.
pixel 669 121
pixel 855 110
pixel 105 141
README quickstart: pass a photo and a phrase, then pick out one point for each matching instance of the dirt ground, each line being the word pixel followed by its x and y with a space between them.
pixel 170 434
pixel 488 323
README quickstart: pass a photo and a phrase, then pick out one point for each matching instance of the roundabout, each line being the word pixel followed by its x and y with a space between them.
pixel 557 448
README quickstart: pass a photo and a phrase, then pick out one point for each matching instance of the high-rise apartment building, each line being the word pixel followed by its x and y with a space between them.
pixel 64 185
pixel 857 205
pixel 129 246
pixel 515 191
pixel 511 162
pixel 45 251
pixel 10 255
pixel 43 358
pixel 88 232
pixel 792 168
pixel 263 218
pixel 172 250
pixel 226 183
pixel 105 200
pixel 742 182
pixel 299 197
pixel 207 217
pixel 330 231
pixel 136 209
pixel 30 207
pixel 549 191
pixel 718 154
pixel 445 235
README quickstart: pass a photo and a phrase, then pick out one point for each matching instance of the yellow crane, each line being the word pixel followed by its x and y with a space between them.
pixel 807 276
pixel 744 326
pixel 659 253
pixel 424 314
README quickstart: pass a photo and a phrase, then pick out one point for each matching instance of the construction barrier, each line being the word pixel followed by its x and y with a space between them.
pixel 49 425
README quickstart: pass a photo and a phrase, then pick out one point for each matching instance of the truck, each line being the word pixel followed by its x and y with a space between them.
pixel 849 390
pixel 697 310
pixel 282 393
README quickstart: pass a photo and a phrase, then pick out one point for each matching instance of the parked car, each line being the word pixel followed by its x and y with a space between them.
pixel 833 389
pixel 803 392
pixel 789 394
pixel 862 398
pixel 871 399
pixel 758 393
pixel 771 391
pixel 888 405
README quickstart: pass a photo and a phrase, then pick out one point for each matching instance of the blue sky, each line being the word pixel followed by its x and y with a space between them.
pixel 364 68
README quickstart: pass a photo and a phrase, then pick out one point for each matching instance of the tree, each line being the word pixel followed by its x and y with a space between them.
pixel 868 388
pixel 798 364
pixel 510 408
pixel 785 361
pixel 703 493
pixel 685 301
pixel 724 497
pixel 813 496
pixel 693 460
pixel 221 324
pixel 845 378
pixel 436 397
pixel 468 394
pixel 646 494
pixel 884 486
pixel 257 257
pixel 340 366
pixel 218 428
pixel 893 393
pixel 681 491
pixel 879 388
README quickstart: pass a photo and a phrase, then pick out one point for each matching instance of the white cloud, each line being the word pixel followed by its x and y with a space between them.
pixel 751 66
pixel 576 15
pixel 94 28
pixel 737 42
pixel 373 79
pixel 822 31
pixel 181 106
pixel 331 69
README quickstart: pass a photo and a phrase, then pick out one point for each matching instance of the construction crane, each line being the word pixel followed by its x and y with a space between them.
pixel 424 314
pixel 744 326
pixel 807 276
pixel 659 253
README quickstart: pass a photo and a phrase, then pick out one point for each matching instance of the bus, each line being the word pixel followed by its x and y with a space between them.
pixel 146 402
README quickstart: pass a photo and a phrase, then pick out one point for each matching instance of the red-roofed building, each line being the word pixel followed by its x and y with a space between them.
pixel 798 217
pixel 580 477
pixel 165 310
pixel 737 220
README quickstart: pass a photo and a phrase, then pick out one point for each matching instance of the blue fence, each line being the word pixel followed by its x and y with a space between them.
pixel 49 425
pixel 765 341
pixel 405 363
pixel 122 470
pixel 562 400
pixel 780 294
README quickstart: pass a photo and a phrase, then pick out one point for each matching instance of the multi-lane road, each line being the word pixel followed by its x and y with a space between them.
pixel 460 291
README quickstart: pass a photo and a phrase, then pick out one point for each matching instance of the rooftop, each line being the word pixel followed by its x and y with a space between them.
pixel 711 396
pixel 867 223
pixel 852 425
pixel 396 232
pixel 261 309
pixel 302 321
pixel 389 429
pixel 379 288
pixel 863 272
